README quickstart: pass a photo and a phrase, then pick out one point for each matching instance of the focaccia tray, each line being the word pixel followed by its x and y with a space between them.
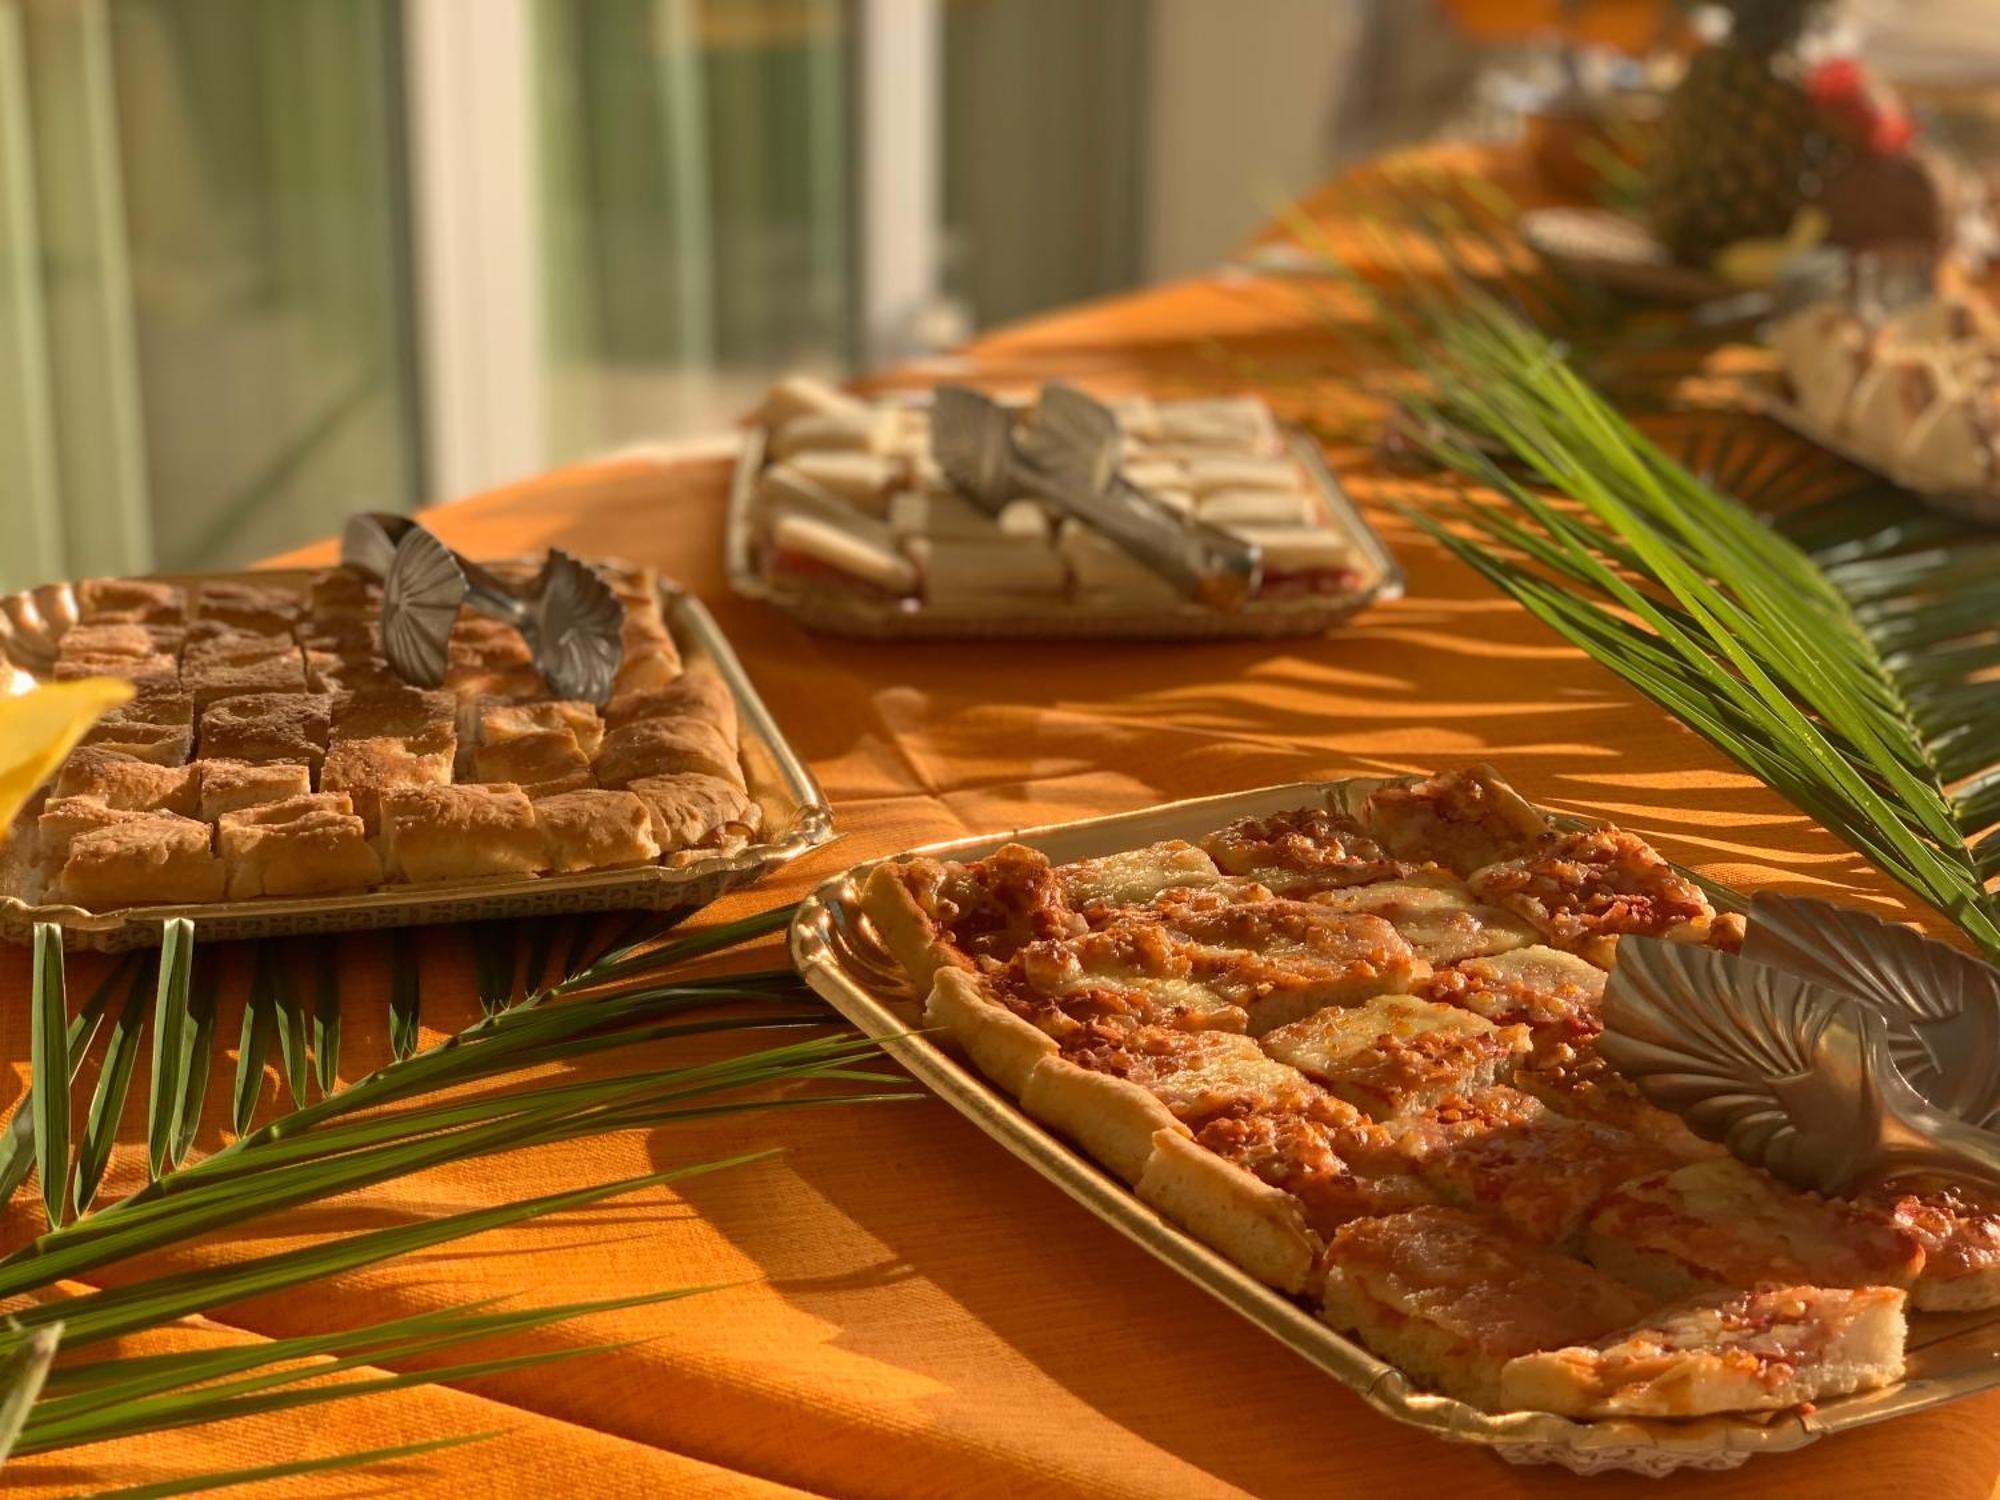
pixel 837 947
pixel 842 611
pixel 792 815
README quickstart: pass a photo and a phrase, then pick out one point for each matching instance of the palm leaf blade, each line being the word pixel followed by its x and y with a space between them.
pixel 50 1071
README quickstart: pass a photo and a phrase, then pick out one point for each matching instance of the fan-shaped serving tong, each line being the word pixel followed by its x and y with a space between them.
pixel 1836 1052
pixel 1070 458
pixel 572 621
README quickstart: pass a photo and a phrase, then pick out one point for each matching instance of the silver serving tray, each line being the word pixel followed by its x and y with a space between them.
pixel 853 614
pixel 796 818
pixel 1950 1355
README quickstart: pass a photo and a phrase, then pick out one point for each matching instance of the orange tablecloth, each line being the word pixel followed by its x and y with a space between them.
pixel 908 1311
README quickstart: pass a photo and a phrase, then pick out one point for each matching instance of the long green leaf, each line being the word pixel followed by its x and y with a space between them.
pixel 17 1144
pixel 326 1015
pixel 293 1025
pixel 23 1373
pixel 49 1065
pixel 114 1088
pixel 406 994
pixel 253 1042
pixel 197 1049
pixel 169 1021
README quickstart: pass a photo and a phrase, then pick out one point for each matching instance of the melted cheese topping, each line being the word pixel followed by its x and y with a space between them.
pixel 1301 850
pixel 1602 882
pixel 1535 986
pixel 1136 876
pixel 1197 1074
pixel 1397 1053
pixel 1497 1295
pixel 1436 915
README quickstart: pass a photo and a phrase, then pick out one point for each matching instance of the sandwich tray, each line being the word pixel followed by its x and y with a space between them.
pixel 850 613
pixel 1949 1355
pixel 796 817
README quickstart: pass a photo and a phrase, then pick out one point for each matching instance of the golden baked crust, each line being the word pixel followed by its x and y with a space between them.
pixel 497 722
pixel 1302 850
pixel 543 762
pixel 140 600
pixel 425 720
pixel 461 833
pixel 64 819
pixel 1198 1075
pixel 1260 1227
pixel 161 858
pixel 663 747
pixel 305 846
pixel 212 681
pixel 596 830
pixel 368 770
pixel 1740 1351
pixel 115 639
pixel 698 694
pixel 1721 1223
pixel 154 672
pixel 693 811
pixel 265 726
pixel 1959 1228
pixel 1583 891
pixel 1395 1054
pixel 1463 819
pixel 1451 1297
pixel 124 781
pixel 231 785
pixel 247 606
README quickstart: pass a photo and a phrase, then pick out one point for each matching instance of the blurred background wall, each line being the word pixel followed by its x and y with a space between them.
pixel 265 261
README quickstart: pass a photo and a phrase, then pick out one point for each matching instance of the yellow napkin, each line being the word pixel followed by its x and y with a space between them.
pixel 39 727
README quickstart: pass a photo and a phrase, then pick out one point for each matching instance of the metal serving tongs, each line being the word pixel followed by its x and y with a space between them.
pixel 1838 1051
pixel 572 621
pixel 1070 459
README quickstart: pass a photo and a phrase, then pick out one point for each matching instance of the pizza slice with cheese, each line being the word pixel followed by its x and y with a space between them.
pixel 1722 1224
pixel 1450 1297
pixel 1436 914
pixel 1583 891
pixel 1739 1351
pixel 1398 1055
pixel 1959 1228
pixel 1463 820
pixel 1302 850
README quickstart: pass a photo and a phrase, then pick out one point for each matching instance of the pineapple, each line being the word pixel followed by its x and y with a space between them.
pixel 1740 146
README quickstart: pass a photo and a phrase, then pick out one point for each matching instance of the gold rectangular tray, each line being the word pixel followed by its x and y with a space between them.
pixel 796 818
pixel 1950 1355
pixel 852 614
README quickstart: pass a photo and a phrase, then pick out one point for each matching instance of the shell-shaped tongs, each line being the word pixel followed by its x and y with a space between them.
pixel 1837 1051
pixel 572 621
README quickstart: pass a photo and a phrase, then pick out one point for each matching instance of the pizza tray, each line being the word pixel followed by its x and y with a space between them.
pixel 846 612
pixel 1949 1355
pixel 796 818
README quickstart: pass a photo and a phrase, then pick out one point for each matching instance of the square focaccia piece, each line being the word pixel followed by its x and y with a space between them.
pixel 134 600
pixel 663 747
pixel 266 726
pixel 124 781
pixel 248 606
pixel 424 720
pixel 1463 820
pixel 1398 1055
pixel 1720 1223
pixel 1280 960
pixel 144 860
pixel 154 673
pixel 1507 1153
pixel 596 830
pixel 1113 1094
pixel 210 681
pixel 306 846
pixel 696 694
pixel 931 912
pixel 135 642
pixel 543 763
pixel 1437 916
pixel 498 722
pixel 64 819
pixel 1449 1297
pixel 1135 876
pixel 1583 891
pixel 155 725
pixel 368 770
pixel 461 833
pixel 690 811
pixel 229 786
pixel 1739 1351
pixel 1959 1228
pixel 341 594
pixel 1302 850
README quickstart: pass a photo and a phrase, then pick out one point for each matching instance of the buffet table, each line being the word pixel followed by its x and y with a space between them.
pixel 900 1309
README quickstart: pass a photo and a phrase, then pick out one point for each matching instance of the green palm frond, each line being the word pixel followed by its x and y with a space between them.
pixel 1802 662
pixel 483 1091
